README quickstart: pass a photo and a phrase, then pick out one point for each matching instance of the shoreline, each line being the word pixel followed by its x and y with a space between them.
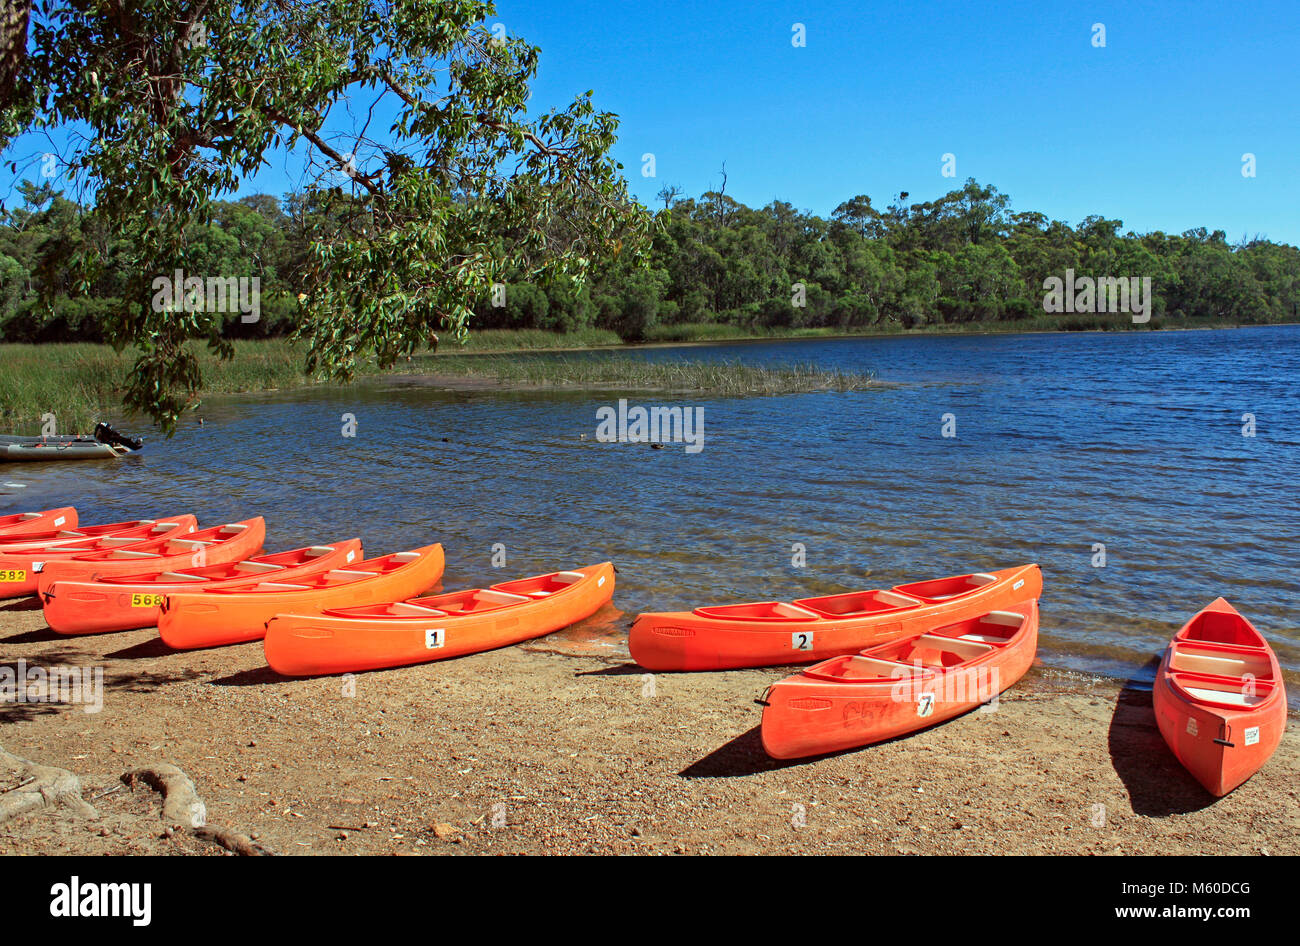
pixel 556 747
pixel 90 376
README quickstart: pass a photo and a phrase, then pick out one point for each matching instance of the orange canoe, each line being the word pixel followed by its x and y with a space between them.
pixel 21 524
pixel 124 602
pixel 898 688
pixel 436 627
pixel 1219 698
pixel 804 630
pixel 55 536
pixel 236 615
pixel 20 567
pixel 213 546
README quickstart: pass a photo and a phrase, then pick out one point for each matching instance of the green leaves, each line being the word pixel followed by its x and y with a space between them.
pixel 406 233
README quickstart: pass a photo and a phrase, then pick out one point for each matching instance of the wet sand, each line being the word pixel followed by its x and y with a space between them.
pixel 558 748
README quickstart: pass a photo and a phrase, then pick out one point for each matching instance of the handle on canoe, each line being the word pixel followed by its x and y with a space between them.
pixel 762 700
pixel 1225 734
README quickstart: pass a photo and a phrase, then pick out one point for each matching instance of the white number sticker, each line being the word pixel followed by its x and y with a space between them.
pixel 802 640
pixel 60 521
pixel 1252 735
pixel 38 567
pixel 925 704
pixel 434 638
pixel 1191 726
pixel 1016 586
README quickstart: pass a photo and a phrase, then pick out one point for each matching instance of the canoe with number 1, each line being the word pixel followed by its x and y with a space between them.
pixel 420 630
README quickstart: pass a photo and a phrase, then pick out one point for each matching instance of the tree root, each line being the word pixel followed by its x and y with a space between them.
pixel 184 809
pixel 39 786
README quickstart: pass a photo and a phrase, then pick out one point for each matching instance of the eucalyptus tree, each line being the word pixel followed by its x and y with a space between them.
pixel 168 104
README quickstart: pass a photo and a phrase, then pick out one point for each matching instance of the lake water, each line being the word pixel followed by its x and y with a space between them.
pixel 1133 441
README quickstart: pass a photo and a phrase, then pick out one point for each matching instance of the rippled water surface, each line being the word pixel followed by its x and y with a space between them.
pixel 1063 441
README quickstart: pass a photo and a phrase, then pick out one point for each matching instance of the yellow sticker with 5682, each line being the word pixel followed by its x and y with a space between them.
pixel 147 601
pixel 13 574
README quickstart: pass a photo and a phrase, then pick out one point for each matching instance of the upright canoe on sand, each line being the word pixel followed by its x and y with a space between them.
pixel 1219 698
pixel 773 633
pixel 69 534
pixel 420 630
pixel 212 546
pixel 898 688
pixel 21 565
pixel 237 615
pixel 21 524
pixel 125 602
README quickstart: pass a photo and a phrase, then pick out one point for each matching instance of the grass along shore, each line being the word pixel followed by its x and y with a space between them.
pixel 82 383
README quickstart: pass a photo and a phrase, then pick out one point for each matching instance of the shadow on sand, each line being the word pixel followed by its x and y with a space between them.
pixel 1157 783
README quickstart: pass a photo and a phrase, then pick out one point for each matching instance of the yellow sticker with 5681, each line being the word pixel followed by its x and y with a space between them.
pixel 13 574
pixel 147 601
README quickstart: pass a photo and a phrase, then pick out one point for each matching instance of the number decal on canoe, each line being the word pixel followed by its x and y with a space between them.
pixel 925 704
pixel 802 640
pixel 1016 586
pixel 38 567
pixel 13 574
pixel 147 600
pixel 434 638
pixel 1191 726
pixel 1252 735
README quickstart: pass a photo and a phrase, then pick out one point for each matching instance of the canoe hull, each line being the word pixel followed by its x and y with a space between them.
pixel 20 568
pixel 690 641
pixel 1220 744
pixel 299 645
pixel 218 618
pixel 807 715
pixel 98 607
pixel 223 544
pixel 15 527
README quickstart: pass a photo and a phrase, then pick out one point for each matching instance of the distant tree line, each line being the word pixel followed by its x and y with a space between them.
pixel 965 257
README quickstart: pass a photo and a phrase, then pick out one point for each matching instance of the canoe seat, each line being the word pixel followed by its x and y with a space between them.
pixel 181 576
pixel 1193 659
pixel 1226 696
pixel 258 567
pixel 316 551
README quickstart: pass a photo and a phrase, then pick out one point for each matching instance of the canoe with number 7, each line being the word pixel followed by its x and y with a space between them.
pixel 420 630
pixel 216 545
pixel 20 524
pixel 897 688
pixel 237 615
pixel 804 630
pixel 1219 698
pixel 20 568
pixel 125 602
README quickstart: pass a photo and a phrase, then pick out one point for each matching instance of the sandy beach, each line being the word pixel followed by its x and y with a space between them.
pixel 559 749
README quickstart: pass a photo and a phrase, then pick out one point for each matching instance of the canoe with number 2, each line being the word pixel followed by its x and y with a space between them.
pixel 804 630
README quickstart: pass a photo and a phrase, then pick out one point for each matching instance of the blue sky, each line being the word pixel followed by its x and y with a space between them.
pixel 1150 129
